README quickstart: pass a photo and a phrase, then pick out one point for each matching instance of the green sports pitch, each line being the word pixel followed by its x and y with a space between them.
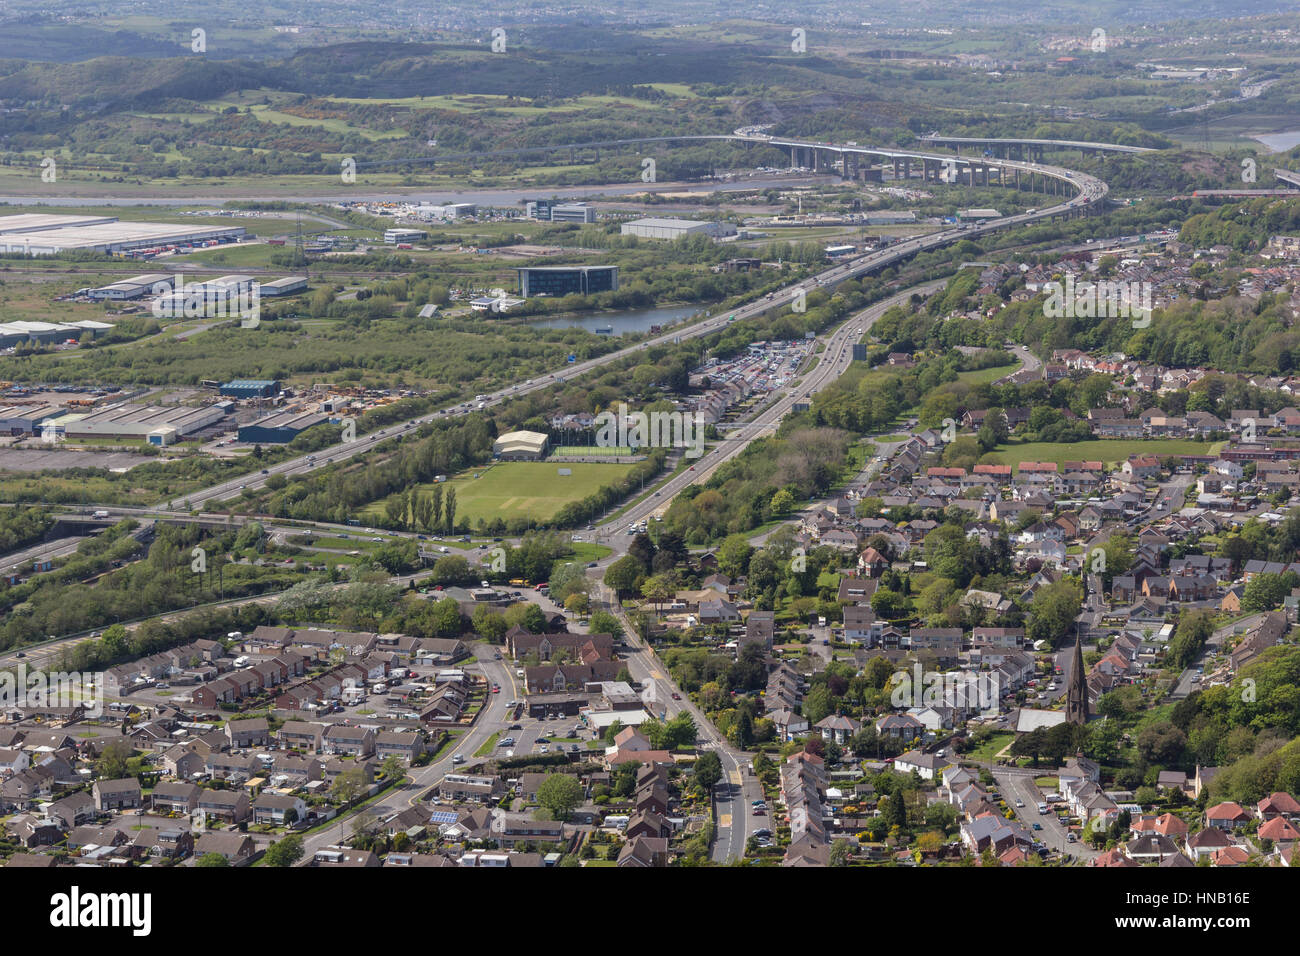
pixel 523 489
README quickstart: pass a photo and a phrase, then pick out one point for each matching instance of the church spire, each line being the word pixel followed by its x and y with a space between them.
pixel 1076 699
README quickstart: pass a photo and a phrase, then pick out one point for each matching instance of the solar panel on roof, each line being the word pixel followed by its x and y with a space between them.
pixel 444 816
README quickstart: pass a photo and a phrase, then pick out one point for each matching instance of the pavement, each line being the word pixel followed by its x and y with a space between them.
pixel 1019 785
pixel 732 813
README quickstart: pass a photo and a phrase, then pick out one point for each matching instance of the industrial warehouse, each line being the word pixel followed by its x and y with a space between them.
pixel 13 334
pixel 155 283
pixel 39 235
pixel 654 228
pixel 223 296
pixel 164 284
pixel 157 424
pixel 279 428
pixel 246 388
pixel 27 419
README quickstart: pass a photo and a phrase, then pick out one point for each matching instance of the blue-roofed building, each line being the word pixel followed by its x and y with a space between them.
pixel 251 388
pixel 279 428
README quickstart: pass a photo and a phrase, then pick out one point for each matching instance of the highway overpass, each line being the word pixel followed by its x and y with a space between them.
pixel 1021 148
pixel 871 163
pixel 1287 176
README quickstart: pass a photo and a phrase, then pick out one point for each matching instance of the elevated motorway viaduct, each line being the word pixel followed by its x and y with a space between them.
pixel 1024 148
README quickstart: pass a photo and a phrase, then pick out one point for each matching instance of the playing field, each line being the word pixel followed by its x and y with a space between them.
pixel 523 489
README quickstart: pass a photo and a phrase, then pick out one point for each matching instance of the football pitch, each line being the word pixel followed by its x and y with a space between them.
pixel 523 489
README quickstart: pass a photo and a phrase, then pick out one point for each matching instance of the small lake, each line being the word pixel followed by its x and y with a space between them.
pixel 632 320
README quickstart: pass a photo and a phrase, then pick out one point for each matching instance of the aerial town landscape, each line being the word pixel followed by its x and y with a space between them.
pixel 540 436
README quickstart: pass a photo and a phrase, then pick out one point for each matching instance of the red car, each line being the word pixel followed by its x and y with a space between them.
pixel 496 689
pixel 677 696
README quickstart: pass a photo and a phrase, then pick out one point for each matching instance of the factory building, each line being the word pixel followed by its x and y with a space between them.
pixel 47 235
pixel 155 283
pixel 279 428
pixel 251 388
pixel 566 280
pixel 27 419
pixel 43 222
pixel 224 295
pixel 654 228
pixel 20 333
pixel 521 446
pixel 289 285
pixel 142 421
